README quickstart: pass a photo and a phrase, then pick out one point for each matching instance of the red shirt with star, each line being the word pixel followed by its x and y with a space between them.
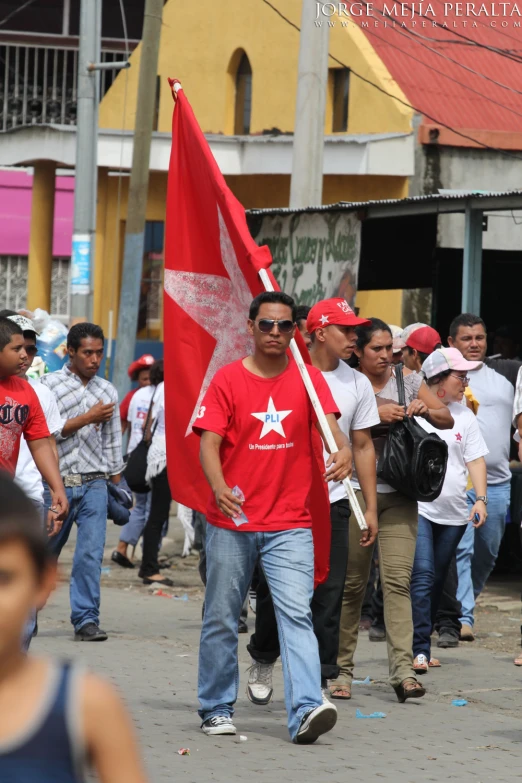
pixel 266 426
pixel 20 413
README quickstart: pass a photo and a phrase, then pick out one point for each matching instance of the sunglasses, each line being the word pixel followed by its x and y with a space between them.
pixel 31 350
pixel 266 325
pixel 463 379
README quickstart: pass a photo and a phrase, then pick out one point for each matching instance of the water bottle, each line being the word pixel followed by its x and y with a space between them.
pixel 242 519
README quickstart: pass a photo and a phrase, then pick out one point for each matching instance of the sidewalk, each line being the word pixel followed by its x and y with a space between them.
pixel 152 656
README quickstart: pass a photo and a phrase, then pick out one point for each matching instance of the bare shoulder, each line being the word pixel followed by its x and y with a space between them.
pixel 98 695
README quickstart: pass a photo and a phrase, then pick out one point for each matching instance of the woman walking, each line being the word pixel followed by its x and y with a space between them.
pixel 443 522
pixel 397 522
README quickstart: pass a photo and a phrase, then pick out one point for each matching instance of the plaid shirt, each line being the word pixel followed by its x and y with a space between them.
pixel 96 448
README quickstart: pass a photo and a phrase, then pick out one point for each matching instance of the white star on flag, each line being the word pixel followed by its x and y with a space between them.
pixel 272 420
pixel 220 305
pixel 324 319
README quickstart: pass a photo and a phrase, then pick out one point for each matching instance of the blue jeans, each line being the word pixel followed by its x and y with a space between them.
pixel 478 550
pixel 287 559
pixel 131 532
pixel 436 546
pixel 31 623
pixel 88 508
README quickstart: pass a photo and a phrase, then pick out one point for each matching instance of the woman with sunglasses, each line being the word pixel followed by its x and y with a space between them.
pixel 443 522
pixel 397 521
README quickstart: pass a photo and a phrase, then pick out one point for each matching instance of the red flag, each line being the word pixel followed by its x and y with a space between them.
pixel 211 277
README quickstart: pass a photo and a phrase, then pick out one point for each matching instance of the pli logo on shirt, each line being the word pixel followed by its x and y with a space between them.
pixel 272 419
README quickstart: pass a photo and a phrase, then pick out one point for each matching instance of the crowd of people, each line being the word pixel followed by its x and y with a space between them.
pixel 418 567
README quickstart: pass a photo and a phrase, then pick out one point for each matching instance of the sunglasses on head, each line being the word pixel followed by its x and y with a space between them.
pixel 31 350
pixel 266 325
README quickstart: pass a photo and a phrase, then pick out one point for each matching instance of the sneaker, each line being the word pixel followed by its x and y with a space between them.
pixel 252 600
pixel 219 724
pixel 242 626
pixel 377 634
pixel 325 693
pixel 420 664
pixel 316 722
pixel 447 639
pixel 90 632
pixel 259 688
pixel 466 633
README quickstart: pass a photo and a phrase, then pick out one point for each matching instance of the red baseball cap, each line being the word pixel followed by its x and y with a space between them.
pixel 333 312
pixel 425 339
pixel 143 363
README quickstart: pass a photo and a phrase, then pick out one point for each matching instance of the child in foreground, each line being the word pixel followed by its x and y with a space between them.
pixel 55 719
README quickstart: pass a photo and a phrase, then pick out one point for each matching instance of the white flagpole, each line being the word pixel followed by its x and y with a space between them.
pixel 323 421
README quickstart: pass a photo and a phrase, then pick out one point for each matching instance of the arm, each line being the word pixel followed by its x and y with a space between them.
pixel 211 463
pixel 364 458
pixel 42 453
pixel 98 414
pixel 477 471
pixel 431 408
pixel 107 726
pixel 339 464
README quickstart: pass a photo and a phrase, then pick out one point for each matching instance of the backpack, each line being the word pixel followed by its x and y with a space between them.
pixel 413 461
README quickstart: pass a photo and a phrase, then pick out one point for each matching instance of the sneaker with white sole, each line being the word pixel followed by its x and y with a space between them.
pixel 219 724
pixel 316 722
pixel 252 600
pixel 259 688
pixel 325 693
pixel 420 664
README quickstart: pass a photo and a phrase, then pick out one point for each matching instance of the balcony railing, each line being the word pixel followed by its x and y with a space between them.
pixel 38 84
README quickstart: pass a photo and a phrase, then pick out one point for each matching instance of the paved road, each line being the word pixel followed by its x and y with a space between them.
pixel 152 656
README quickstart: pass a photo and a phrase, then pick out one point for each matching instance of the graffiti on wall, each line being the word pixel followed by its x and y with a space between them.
pixel 315 255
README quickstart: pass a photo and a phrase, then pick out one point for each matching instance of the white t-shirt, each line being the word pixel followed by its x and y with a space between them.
pixel 27 475
pixel 137 415
pixel 465 443
pixel 495 395
pixel 158 411
pixel 355 399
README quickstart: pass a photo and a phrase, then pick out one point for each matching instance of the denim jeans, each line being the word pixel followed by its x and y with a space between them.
pixel 31 623
pixel 131 532
pixel 287 558
pixel 478 550
pixel 88 508
pixel 436 546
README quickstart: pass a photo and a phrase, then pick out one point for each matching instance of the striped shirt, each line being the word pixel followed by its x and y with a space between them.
pixel 96 448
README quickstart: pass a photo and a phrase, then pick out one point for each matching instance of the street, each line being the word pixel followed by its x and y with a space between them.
pixel 151 655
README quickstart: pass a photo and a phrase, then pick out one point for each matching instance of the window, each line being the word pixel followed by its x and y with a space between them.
pixel 340 102
pixel 151 292
pixel 243 105
pixel 13 285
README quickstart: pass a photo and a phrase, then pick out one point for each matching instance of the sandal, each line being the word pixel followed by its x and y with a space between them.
pixel 341 691
pixel 518 660
pixel 420 664
pixel 160 582
pixel 436 664
pixel 409 689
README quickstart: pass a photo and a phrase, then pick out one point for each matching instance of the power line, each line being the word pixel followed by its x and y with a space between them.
pixel 399 100
pixel 15 11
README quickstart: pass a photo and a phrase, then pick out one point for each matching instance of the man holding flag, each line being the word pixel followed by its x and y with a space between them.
pixel 256 424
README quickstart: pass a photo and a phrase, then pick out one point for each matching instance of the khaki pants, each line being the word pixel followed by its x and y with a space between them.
pixel 396 541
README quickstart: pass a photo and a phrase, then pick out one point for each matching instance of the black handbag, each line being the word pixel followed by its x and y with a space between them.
pixel 413 461
pixel 136 467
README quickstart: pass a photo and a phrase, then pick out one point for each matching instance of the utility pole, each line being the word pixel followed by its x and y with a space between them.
pixel 138 191
pixel 86 177
pixel 306 186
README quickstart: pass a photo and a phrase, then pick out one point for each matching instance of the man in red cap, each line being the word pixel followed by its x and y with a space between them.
pixel 139 372
pixel 420 340
pixel 331 324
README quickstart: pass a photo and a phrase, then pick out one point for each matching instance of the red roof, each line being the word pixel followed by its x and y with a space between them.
pixel 445 90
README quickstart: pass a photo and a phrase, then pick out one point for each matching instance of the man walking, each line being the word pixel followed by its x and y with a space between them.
pixel 478 549
pixel 89 448
pixel 256 443
pixel 331 324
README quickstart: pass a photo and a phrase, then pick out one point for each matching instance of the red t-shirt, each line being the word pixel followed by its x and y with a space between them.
pixel 266 451
pixel 125 404
pixel 20 412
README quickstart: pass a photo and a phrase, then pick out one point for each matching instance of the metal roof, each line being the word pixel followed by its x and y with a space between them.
pixel 413 205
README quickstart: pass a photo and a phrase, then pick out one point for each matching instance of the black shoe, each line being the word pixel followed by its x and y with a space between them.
pixel 121 560
pixel 316 722
pixel 90 633
pixel 377 633
pixel 160 582
pixel 447 639
pixel 242 627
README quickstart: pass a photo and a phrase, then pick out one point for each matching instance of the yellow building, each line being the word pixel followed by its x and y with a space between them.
pixel 237 63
